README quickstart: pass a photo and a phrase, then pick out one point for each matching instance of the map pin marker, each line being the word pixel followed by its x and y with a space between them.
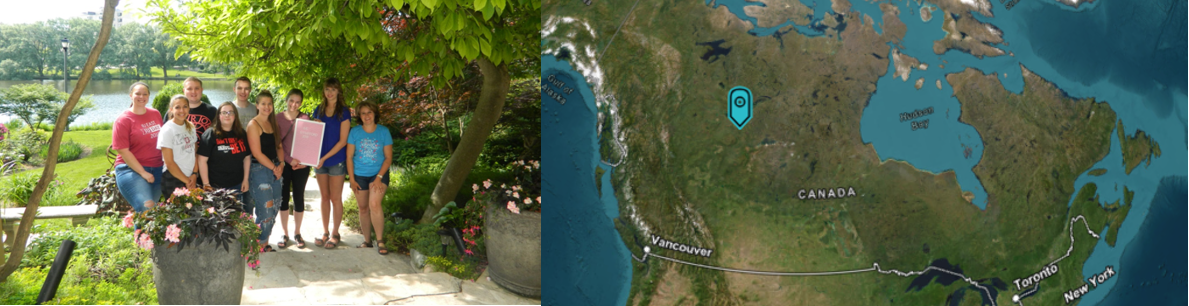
pixel 739 106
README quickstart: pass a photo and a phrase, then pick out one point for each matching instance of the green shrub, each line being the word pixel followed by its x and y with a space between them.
pixel 24 142
pixel 17 189
pixel 67 151
pixel 23 286
pixel 406 235
pixel 463 269
pixel 351 212
pixel 410 190
pixel 105 268
pixel 161 101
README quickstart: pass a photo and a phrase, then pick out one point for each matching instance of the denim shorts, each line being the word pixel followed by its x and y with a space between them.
pixel 364 181
pixel 136 189
pixel 339 169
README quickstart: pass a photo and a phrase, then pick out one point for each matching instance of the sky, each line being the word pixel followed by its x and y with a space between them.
pixel 26 11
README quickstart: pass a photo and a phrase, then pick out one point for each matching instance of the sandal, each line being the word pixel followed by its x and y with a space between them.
pixel 335 243
pixel 301 243
pixel 323 240
pixel 268 248
pixel 284 239
pixel 366 244
pixel 383 250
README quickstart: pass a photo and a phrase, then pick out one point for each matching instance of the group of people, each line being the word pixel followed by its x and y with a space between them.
pixel 242 146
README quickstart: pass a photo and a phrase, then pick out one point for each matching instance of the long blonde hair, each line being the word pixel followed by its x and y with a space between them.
pixel 186 103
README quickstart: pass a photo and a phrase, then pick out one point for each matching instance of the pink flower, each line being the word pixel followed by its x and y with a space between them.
pixel 188 205
pixel 528 201
pixel 538 199
pixel 487 184
pixel 128 220
pixel 475 187
pixel 172 232
pixel 516 194
pixel 146 242
pixel 469 252
pixel 181 192
pixel 210 210
pixel 512 207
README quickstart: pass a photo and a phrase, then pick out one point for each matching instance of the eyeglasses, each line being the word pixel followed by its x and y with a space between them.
pixel 226 113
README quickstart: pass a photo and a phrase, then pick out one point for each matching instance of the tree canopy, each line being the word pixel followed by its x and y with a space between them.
pixel 300 43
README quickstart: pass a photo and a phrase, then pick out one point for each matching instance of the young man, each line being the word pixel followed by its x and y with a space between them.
pixel 201 114
pixel 247 110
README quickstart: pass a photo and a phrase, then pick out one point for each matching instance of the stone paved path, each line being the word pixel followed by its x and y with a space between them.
pixel 347 275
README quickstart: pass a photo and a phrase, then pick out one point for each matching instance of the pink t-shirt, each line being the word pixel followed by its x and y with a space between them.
pixel 138 133
pixel 286 127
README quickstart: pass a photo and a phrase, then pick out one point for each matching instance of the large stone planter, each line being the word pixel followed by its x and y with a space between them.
pixel 513 249
pixel 202 274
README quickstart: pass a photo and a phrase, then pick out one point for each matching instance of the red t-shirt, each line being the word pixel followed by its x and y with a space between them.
pixel 138 133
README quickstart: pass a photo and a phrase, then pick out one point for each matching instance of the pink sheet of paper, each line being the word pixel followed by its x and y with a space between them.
pixel 307 142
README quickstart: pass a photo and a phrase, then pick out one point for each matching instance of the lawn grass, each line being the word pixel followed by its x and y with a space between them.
pixel 75 175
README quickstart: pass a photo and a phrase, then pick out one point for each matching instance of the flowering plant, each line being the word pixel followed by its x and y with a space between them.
pixel 3 131
pixel 523 195
pixel 195 216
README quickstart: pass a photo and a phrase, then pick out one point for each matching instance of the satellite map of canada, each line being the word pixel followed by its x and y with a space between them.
pixel 854 152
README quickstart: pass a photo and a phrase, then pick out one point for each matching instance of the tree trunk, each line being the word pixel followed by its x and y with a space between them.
pixel 446 129
pixel 22 234
pixel 491 105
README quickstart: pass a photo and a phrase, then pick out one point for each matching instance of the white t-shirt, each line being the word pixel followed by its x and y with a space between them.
pixel 182 142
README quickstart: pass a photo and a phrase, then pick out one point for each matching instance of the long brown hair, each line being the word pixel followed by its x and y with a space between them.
pixel 169 112
pixel 272 116
pixel 340 102
pixel 237 128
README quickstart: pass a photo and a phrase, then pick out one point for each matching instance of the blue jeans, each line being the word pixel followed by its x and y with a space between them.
pixel 136 189
pixel 263 187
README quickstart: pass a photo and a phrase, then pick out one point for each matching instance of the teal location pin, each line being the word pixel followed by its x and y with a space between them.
pixel 739 106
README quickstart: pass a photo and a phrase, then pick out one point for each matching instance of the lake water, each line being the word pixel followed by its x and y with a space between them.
pixel 111 96
pixel 1130 71
pixel 585 261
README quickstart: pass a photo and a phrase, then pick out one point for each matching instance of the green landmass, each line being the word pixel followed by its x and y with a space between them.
pixel 1097 172
pixel 693 178
pixel 1137 148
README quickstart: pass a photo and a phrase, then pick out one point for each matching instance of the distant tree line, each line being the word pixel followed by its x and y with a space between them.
pixel 34 50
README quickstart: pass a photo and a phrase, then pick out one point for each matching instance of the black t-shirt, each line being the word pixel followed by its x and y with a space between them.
pixel 225 159
pixel 203 117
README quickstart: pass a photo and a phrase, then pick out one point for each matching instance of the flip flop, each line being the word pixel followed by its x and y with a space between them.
pixel 301 243
pixel 268 248
pixel 284 239
pixel 367 244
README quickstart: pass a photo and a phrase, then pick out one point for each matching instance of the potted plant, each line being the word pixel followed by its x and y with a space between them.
pixel 192 236
pixel 512 229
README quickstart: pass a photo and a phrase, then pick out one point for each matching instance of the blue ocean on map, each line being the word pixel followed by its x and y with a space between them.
pixel 1066 46
pixel 584 261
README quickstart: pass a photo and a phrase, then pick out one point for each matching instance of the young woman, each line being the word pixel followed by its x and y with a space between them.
pixel 134 137
pixel 264 180
pixel 293 180
pixel 331 167
pixel 369 153
pixel 223 152
pixel 177 143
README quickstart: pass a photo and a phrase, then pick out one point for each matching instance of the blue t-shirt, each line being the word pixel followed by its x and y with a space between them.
pixel 331 135
pixel 369 149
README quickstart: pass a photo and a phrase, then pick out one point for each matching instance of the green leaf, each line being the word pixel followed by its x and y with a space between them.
pixel 431 4
pixel 488 11
pixel 480 4
pixel 485 47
